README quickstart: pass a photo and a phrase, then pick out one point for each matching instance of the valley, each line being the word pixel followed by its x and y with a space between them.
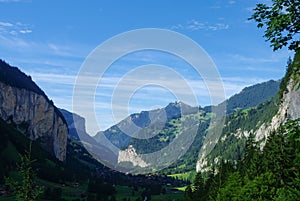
pixel 149 101
pixel 73 178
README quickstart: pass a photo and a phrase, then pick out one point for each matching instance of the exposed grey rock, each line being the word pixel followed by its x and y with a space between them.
pixel 36 117
pixel 289 108
pixel 130 155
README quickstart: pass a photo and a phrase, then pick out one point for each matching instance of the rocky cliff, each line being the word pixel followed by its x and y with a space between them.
pixel 229 147
pixel 289 109
pixel 130 155
pixel 31 111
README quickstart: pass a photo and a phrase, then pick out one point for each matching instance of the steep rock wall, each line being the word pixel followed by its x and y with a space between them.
pixel 36 117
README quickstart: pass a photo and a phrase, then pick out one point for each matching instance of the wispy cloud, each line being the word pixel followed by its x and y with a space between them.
pixel 11 1
pixel 108 84
pixel 194 25
pixel 6 24
pixel 148 95
pixel 11 35
pixel 54 78
pixel 25 31
pixel 273 58
pixel 13 40
pixel 250 9
pixel 9 28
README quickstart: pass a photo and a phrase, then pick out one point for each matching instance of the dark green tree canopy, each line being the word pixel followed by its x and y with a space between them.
pixel 282 21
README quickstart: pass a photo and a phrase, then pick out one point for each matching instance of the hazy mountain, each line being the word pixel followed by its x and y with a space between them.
pixel 159 127
pixel 250 96
pixel 253 95
pixel 136 124
pixel 78 135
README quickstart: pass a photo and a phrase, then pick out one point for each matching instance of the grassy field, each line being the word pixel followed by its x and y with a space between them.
pixel 126 192
pixel 187 176
pixel 168 197
pixel 70 193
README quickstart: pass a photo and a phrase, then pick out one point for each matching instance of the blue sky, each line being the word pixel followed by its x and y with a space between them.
pixel 50 40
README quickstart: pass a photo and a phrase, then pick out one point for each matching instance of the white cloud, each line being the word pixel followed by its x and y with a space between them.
pixel 11 1
pixel 25 31
pixel 14 42
pixel 8 28
pixel 151 95
pixel 53 78
pixel 108 84
pixel 254 60
pixel 194 25
pixel 6 24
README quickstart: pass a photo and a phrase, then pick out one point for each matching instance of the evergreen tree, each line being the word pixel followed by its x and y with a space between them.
pixel 188 193
pixel 232 188
pixel 199 187
pixel 250 163
pixel 26 189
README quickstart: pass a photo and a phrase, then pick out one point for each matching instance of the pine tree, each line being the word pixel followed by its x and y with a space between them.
pixel 26 189
pixel 250 163
pixel 199 188
pixel 188 193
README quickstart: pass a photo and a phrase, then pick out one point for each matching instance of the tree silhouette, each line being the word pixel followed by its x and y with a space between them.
pixel 282 21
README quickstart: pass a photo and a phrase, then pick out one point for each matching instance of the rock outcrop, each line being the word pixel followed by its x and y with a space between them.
pixel 32 112
pixel 130 155
pixel 288 108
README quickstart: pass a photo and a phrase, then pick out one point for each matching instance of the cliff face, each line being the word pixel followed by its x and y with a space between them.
pixel 130 155
pixel 288 108
pixel 34 116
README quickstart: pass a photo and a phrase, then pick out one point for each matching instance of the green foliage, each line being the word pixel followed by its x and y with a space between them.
pixel 282 23
pixel 187 176
pixel 188 193
pixel 231 147
pixel 292 73
pixel 260 188
pixel 16 78
pixel 232 188
pixel 100 190
pixel 252 96
pixel 53 193
pixel 27 189
pixel 271 174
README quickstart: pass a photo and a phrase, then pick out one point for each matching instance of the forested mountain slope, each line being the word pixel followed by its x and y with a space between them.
pixel 259 121
pixel 257 156
pixel 166 123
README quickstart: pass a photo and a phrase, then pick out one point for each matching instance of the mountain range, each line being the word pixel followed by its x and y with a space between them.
pixel 150 131
pixel 65 150
pixel 162 125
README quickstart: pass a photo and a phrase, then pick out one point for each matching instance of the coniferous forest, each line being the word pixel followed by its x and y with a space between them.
pixel 269 172
pixel 256 157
